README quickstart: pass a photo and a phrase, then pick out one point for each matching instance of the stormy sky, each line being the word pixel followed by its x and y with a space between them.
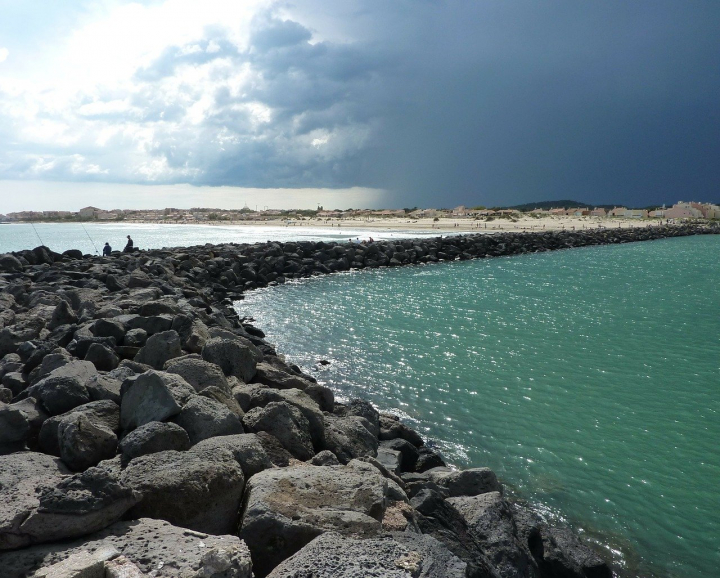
pixel 357 103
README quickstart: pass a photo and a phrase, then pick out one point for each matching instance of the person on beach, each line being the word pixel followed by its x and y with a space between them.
pixel 107 249
pixel 129 247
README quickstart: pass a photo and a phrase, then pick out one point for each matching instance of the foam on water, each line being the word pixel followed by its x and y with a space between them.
pixel 587 379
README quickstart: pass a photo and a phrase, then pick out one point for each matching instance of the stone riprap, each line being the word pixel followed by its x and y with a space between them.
pixel 145 429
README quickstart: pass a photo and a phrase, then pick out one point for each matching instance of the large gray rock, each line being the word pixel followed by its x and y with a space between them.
pixel 78 505
pixel 490 520
pixel 153 437
pixel 152 324
pixel 104 387
pixel 159 348
pixel 135 338
pixel 391 428
pixel 396 555
pixel 203 418
pixel 156 547
pixel 154 396
pixel 198 372
pixel 469 482
pixel 224 397
pixel 364 409
pixel 193 334
pixel 195 489
pixel 408 453
pixel 273 377
pixel 64 388
pixel 103 413
pixel 62 315
pixel 102 357
pixel 108 328
pixel 14 425
pixel 286 423
pixel 84 443
pixel 349 438
pixel 557 551
pixel 60 394
pixel 286 508
pixel 233 357
pixel 247 449
pixel 39 502
pixel 261 397
pixel 21 476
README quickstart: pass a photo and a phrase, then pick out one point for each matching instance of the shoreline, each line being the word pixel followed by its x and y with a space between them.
pixel 443 225
pixel 100 301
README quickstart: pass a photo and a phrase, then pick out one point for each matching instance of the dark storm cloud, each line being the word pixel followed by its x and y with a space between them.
pixel 441 103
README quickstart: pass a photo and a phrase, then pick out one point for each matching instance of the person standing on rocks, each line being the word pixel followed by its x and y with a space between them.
pixel 107 249
pixel 129 247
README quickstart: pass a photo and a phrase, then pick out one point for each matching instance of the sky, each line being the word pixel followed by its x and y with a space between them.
pixel 368 103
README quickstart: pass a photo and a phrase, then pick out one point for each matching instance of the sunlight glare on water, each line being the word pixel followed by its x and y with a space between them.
pixel 587 379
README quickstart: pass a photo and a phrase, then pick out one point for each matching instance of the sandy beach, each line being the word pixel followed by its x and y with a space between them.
pixel 524 223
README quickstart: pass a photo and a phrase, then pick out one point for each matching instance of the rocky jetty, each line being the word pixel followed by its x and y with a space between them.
pixel 146 430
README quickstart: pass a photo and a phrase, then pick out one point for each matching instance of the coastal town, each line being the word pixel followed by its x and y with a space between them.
pixel 680 210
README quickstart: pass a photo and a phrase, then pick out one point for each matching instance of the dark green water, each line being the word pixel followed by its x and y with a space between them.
pixel 588 379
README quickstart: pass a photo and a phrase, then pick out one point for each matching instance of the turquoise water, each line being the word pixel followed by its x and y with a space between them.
pixel 63 236
pixel 587 379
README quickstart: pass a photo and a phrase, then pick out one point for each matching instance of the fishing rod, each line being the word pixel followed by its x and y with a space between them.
pixel 89 237
pixel 38 234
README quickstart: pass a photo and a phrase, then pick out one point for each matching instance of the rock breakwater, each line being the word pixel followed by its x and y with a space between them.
pixel 145 429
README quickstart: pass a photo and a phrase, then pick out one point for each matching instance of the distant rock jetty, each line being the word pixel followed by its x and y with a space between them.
pixel 147 430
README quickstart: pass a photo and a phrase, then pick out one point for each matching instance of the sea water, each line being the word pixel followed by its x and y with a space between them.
pixel 91 237
pixel 588 379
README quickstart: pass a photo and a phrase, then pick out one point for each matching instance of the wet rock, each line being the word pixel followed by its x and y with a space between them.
pixel 469 482
pixel 194 489
pixel 153 437
pixel 273 377
pixel 286 423
pixel 203 418
pixel 231 356
pixel 156 547
pixel 392 428
pixel 428 459
pixel 408 452
pixel 286 508
pixel 153 396
pixel 490 520
pixel 159 348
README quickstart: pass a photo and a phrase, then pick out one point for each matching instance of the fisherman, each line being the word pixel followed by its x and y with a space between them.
pixel 129 247
pixel 107 249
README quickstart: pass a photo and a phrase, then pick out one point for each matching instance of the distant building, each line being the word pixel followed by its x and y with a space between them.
pixel 598 212
pixel 683 210
pixel 635 214
pixel 617 212
pixel 89 212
